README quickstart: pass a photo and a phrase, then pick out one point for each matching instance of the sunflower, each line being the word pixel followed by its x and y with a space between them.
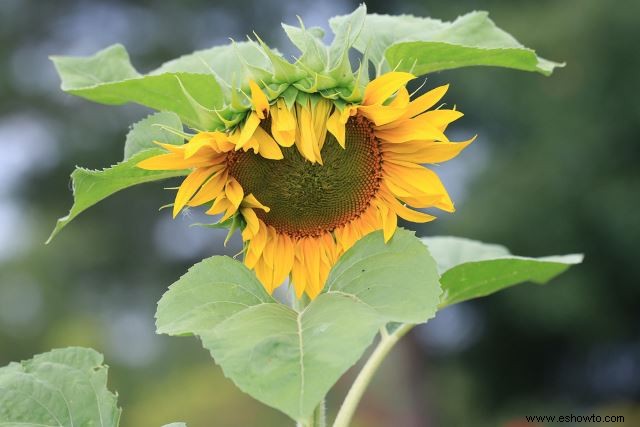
pixel 309 178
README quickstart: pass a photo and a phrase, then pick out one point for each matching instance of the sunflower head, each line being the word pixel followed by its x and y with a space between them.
pixel 310 177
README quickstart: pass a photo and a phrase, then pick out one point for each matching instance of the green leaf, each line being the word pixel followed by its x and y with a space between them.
pixel 425 45
pixel 92 186
pixel 153 128
pixel 210 292
pixel 109 78
pixel 473 269
pixel 234 64
pixel 290 360
pixel 399 279
pixel 286 359
pixel 65 387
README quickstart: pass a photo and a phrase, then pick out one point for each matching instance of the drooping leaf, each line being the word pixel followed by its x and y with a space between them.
pixel 154 128
pixel 286 359
pixel 109 78
pixel 290 360
pixel 65 387
pixel 399 279
pixel 92 186
pixel 473 269
pixel 424 45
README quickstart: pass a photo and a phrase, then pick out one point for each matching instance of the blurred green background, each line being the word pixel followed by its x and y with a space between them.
pixel 555 170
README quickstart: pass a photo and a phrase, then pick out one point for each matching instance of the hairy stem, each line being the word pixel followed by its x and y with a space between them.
pixel 387 341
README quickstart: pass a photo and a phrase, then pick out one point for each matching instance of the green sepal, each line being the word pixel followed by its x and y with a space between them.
pixel 289 96
pixel 233 223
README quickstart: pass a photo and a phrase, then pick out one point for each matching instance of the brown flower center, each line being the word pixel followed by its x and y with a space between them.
pixel 311 199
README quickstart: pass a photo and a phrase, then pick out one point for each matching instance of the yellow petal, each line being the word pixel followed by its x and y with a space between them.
pixel 336 127
pixel 283 124
pixel 403 211
pixel 248 129
pixel 305 137
pixel 234 192
pixel 170 161
pixel 259 240
pixel 389 221
pixel 253 223
pixel 268 253
pixel 406 179
pixel 381 114
pixel 172 148
pixel 424 102
pixel 267 146
pixel 410 130
pixel 250 201
pixel 425 151
pixel 250 257
pixel 219 205
pixel 320 114
pixel 258 99
pixel 189 186
pixel 312 262
pixel 264 273
pixel 402 98
pixel 203 140
pixel 283 259
pixel 441 118
pixel 380 89
pixel 298 273
pixel 210 189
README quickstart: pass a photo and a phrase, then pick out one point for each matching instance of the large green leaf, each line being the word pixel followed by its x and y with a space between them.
pixel 398 279
pixel 65 387
pixel 156 127
pixel 286 359
pixel 109 78
pixel 473 269
pixel 92 186
pixel 424 45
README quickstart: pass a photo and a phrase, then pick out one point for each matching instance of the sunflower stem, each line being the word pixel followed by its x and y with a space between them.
pixel 318 419
pixel 320 415
pixel 387 341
